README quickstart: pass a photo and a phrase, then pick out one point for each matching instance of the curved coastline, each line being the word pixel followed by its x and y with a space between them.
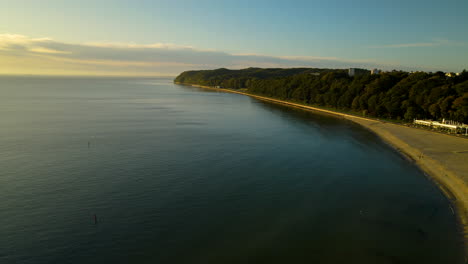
pixel 442 159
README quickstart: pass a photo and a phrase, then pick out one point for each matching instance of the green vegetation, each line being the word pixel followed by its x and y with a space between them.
pixel 392 95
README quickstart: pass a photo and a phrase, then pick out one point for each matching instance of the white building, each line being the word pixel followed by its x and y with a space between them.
pixel 445 124
pixel 450 74
pixel 375 71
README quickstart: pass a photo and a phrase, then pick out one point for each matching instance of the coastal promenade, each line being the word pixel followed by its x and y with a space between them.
pixel 443 158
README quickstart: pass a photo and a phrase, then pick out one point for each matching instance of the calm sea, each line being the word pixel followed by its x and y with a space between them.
pixel 177 174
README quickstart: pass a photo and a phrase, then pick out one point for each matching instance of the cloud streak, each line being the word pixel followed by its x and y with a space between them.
pixel 25 55
pixel 407 45
pixel 435 43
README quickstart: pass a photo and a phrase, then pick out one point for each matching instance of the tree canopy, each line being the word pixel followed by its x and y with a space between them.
pixel 394 95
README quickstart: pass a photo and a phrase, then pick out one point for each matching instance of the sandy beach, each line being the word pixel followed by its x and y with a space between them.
pixel 443 158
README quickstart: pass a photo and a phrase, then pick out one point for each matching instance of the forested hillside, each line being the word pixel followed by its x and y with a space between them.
pixel 395 95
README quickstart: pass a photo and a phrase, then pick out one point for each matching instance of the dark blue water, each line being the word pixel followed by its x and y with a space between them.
pixel 183 175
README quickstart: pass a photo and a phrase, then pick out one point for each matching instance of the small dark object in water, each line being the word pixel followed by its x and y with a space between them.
pixel 422 233
pixel 95 219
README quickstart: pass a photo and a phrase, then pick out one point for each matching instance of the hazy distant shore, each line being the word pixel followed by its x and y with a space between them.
pixel 443 158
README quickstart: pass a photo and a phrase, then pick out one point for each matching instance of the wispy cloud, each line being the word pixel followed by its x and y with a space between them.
pixel 434 43
pixel 407 45
pixel 24 55
pixel 137 46
pixel 47 51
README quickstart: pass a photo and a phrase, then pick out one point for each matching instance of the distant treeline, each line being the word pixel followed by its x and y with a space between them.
pixel 394 95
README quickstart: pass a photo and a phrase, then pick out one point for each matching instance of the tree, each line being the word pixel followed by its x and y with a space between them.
pixel 460 106
pixel 394 95
pixel 411 113
pixel 434 109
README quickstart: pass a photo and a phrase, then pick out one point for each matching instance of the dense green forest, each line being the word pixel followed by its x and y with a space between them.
pixel 394 95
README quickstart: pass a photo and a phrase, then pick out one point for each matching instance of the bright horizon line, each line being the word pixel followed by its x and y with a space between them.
pixel 83 75
pixel 175 75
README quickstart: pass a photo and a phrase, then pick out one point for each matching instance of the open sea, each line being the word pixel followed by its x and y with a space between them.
pixel 140 170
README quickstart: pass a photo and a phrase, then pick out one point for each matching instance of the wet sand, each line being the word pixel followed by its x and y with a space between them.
pixel 444 158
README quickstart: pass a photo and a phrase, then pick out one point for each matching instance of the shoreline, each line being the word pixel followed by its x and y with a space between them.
pixel 441 159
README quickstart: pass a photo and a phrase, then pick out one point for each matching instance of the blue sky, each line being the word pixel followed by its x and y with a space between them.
pixel 419 35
